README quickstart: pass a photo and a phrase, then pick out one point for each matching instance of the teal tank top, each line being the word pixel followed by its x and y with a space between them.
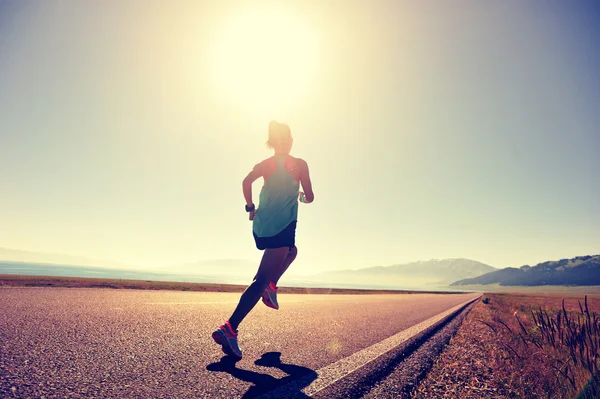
pixel 278 201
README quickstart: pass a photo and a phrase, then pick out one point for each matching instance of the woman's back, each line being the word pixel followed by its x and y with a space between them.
pixel 278 201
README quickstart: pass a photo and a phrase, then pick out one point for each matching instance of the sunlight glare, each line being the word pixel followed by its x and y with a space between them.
pixel 264 58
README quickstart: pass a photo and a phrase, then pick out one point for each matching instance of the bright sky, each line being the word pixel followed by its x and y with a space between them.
pixel 432 129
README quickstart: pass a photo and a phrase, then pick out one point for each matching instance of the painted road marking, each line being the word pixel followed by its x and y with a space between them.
pixel 332 373
pixel 200 302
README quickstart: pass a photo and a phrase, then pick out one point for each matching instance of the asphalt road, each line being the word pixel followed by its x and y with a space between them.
pixel 104 343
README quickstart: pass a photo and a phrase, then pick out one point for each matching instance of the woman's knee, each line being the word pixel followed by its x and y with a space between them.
pixel 293 251
pixel 261 281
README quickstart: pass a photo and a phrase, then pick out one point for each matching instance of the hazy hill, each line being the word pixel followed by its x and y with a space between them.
pixel 219 267
pixel 15 255
pixel 435 272
pixel 582 270
pixel 13 261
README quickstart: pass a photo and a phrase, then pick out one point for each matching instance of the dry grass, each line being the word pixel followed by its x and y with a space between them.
pixel 17 280
pixel 502 350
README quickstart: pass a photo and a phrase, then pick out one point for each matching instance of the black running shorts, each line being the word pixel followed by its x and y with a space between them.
pixel 286 238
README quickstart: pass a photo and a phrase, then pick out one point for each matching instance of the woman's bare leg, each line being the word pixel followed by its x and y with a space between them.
pixel 288 261
pixel 272 261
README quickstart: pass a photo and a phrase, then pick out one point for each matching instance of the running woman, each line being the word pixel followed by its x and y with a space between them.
pixel 273 227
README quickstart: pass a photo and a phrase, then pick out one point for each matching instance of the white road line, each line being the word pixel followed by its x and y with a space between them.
pixel 332 373
pixel 200 302
pixel 188 303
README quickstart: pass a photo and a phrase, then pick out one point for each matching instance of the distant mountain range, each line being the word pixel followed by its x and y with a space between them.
pixel 582 270
pixel 435 272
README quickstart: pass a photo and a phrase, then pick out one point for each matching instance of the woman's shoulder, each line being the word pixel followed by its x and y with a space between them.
pixel 266 161
pixel 297 160
pixel 266 167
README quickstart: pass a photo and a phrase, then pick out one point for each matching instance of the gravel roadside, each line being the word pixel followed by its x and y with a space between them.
pixel 403 380
pixel 463 370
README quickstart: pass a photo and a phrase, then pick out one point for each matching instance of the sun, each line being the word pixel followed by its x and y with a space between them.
pixel 264 58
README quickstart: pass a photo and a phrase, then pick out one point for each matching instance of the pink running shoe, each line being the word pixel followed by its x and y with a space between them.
pixel 269 297
pixel 226 336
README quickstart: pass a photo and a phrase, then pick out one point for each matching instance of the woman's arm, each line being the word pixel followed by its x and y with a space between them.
pixel 247 186
pixel 308 194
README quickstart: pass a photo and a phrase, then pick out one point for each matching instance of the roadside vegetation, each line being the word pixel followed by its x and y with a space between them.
pixel 522 346
pixel 19 280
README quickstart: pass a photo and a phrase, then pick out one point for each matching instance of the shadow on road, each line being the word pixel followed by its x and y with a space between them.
pixel 264 383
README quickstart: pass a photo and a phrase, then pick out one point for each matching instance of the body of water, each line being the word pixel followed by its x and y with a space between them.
pixel 44 269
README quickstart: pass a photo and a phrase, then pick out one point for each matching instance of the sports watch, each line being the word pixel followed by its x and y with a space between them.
pixel 250 208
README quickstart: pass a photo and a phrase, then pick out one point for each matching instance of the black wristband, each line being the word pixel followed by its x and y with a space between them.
pixel 250 208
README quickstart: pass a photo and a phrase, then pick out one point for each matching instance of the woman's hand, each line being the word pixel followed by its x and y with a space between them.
pixel 301 197
pixel 251 214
